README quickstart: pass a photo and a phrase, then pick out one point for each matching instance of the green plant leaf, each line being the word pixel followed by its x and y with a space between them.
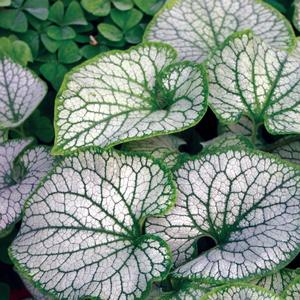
pixel 3 135
pixel 292 292
pixel 68 53
pixel 296 15
pixel 99 8
pixel 17 50
pixel 54 72
pixel 111 32
pixel 56 12
pixel 123 4
pixel 247 201
pixel 36 293
pixel 149 7
pixel 61 33
pixel 126 19
pixel 37 8
pixel 278 281
pixel 240 292
pixel 21 92
pixel 31 37
pixel 97 201
pixel 290 152
pixel 128 95
pixel 20 174
pixel 5 3
pixel 165 148
pixel 135 34
pixel 74 15
pixel 195 28
pixel 89 51
pixel 13 19
pixel 50 44
pixel 242 81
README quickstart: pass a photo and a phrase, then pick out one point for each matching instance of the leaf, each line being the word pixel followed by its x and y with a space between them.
pixel 163 147
pixel 61 33
pixel 248 77
pixel 54 73
pixel 123 4
pixel 150 7
pixel 187 291
pixel 89 51
pixel 292 292
pixel 5 3
pixel 128 95
pixel 20 173
pixel 21 91
pixel 37 8
pixel 36 293
pixel 111 32
pixel 126 19
pixel 240 292
pixel 97 202
pixel 290 152
pixel 56 12
pixel 74 15
pixel 195 28
pixel 31 38
pixel 296 15
pixel 13 19
pixel 3 135
pixel 135 34
pixel 68 53
pixel 246 201
pixel 17 50
pixel 50 44
pixel 278 281
pixel 99 8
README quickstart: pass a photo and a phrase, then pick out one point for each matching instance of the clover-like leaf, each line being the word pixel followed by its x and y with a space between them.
pixel 128 95
pixel 240 292
pixel 292 292
pixel 21 91
pixel 20 173
pixel 290 152
pixel 249 77
pixel 247 201
pixel 278 281
pixel 165 148
pixel 197 27
pixel 82 231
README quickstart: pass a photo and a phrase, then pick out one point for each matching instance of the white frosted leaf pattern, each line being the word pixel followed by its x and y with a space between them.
pixel 81 235
pixel 290 152
pixel 165 148
pixel 296 16
pixel 128 95
pixel 196 27
pixel 21 91
pixel 292 292
pixel 248 202
pixel 20 173
pixel 249 77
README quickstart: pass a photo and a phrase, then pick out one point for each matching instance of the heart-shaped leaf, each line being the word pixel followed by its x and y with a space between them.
pixel 292 292
pixel 97 7
pixel 247 201
pixel 128 95
pixel 195 28
pixel 240 292
pixel 20 173
pixel 248 77
pixel 82 233
pixel 21 91
pixel 278 281
pixel 165 148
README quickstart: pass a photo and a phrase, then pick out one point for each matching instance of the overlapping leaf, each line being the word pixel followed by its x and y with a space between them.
pixel 296 16
pixel 82 231
pixel 240 292
pixel 292 292
pixel 278 281
pixel 197 27
pixel 21 92
pixel 247 202
pixel 3 135
pixel 248 77
pixel 20 173
pixel 128 95
pixel 290 151
pixel 165 148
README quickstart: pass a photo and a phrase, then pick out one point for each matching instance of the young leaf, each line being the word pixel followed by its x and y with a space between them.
pixel 58 33
pixel 163 147
pixel 37 8
pixel 123 4
pixel 247 201
pixel 19 175
pixel 290 152
pixel 99 8
pixel 81 235
pixel 150 7
pixel 195 28
pixel 126 19
pixel 248 77
pixel 240 292
pixel 296 16
pixel 111 32
pixel 74 15
pixel 278 281
pixel 68 53
pixel 128 95
pixel 292 292
pixel 21 91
